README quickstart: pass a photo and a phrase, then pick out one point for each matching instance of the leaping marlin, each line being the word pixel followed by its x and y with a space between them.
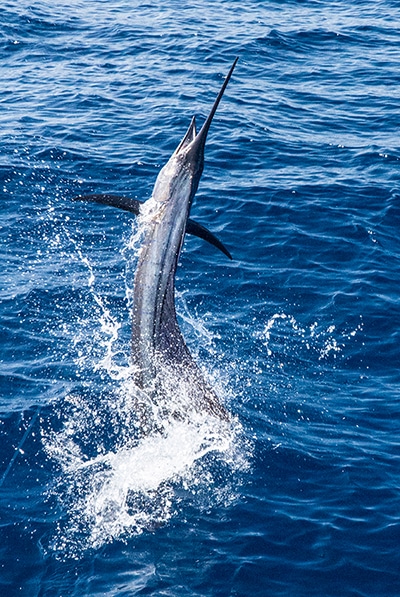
pixel 157 341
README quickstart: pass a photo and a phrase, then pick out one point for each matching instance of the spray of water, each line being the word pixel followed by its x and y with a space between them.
pixel 120 473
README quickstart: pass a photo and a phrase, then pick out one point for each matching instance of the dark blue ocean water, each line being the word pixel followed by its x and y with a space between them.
pixel 299 334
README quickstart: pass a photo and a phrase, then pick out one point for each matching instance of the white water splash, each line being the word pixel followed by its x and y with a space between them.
pixel 133 486
pixel 119 476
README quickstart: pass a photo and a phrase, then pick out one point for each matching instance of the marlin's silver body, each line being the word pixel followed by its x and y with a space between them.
pixel 157 342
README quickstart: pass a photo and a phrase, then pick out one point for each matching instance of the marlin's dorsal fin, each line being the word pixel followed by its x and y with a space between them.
pixel 133 206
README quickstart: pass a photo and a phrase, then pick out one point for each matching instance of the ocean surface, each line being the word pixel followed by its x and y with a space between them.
pixel 299 334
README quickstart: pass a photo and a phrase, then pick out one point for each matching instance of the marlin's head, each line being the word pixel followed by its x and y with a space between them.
pixel 190 152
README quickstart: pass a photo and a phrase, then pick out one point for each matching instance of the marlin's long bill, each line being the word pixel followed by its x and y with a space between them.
pixel 194 142
pixel 201 137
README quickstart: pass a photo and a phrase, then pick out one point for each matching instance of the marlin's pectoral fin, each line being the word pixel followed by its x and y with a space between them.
pixel 126 203
pixel 197 229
